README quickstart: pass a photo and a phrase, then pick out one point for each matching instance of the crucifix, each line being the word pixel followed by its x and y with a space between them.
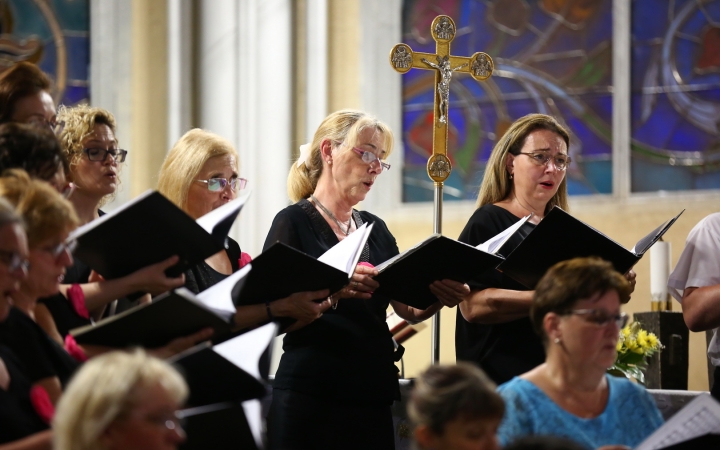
pixel 480 66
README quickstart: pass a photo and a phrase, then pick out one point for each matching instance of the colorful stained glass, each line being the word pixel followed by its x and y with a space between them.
pixel 676 95
pixel 551 56
pixel 54 34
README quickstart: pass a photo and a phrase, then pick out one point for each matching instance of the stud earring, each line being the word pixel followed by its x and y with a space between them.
pixel 557 340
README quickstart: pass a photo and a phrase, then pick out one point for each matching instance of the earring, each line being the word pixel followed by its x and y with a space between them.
pixel 330 162
pixel 557 340
pixel 511 176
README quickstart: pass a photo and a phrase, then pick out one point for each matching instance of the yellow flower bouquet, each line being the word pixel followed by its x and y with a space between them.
pixel 634 347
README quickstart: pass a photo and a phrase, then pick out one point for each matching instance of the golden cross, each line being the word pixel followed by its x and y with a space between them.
pixel 479 66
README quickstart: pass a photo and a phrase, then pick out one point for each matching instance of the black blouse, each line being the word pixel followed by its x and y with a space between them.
pixel 202 276
pixel 346 355
pixel 502 350
pixel 18 418
pixel 41 356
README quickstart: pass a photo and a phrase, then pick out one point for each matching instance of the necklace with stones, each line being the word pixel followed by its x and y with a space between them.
pixel 337 222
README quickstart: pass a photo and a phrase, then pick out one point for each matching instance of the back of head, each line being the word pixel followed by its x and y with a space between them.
pixel 34 149
pixel 44 210
pixel 21 80
pixel 105 389
pixel 186 159
pixel 496 185
pixel 341 126
pixel 444 393
pixel 569 281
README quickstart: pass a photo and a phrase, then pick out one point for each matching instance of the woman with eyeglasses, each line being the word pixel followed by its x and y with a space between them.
pixel 88 139
pixel 337 377
pixel 25 97
pixel 200 174
pixel 24 426
pixel 576 312
pixel 526 174
pixel 132 405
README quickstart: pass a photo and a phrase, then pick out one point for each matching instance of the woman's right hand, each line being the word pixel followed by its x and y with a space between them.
pixel 152 279
pixel 302 306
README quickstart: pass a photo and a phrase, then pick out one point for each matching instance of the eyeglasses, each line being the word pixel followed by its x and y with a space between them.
pixel 170 421
pixel 218 184
pixel 14 261
pixel 100 154
pixel 57 250
pixel 542 159
pixel 370 158
pixel 54 126
pixel 601 318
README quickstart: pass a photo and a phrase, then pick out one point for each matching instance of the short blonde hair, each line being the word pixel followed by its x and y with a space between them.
pixel 496 185
pixel 186 160
pixel 341 126
pixel 105 389
pixel 78 124
pixel 45 212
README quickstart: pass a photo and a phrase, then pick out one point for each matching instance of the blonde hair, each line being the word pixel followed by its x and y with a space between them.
pixel 105 389
pixel 79 123
pixel 496 185
pixel 342 126
pixel 45 212
pixel 186 160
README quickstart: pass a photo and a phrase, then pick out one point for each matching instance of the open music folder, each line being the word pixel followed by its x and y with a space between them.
pixel 696 426
pixel 150 229
pixel 407 276
pixel 560 236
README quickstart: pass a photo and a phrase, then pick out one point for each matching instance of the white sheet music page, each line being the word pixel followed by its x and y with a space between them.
pixel 698 418
pixel 345 254
pixel 245 350
pixel 209 220
pixel 496 242
pixel 219 296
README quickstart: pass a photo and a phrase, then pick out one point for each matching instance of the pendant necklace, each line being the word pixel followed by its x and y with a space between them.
pixel 327 211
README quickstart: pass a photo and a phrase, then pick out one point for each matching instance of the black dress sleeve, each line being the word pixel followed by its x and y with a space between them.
pixel 283 229
pixel 18 418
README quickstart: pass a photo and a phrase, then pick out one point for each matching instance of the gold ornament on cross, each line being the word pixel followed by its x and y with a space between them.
pixel 480 66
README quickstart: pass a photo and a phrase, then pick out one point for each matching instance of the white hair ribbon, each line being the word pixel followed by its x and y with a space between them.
pixel 304 154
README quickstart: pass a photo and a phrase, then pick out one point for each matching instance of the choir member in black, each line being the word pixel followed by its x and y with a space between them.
pixel 337 377
pixel 199 174
pixel 132 405
pixel 49 218
pixel 88 138
pixel 24 426
pixel 524 175
pixel 25 96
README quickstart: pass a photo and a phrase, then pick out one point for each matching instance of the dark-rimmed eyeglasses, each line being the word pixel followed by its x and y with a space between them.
pixel 218 184
pixel 101 154
pixel 600 317
pixel 370 158
pixel 542 159
pixel 14 261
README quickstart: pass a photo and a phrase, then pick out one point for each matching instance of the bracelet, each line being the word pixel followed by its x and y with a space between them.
pixel 267 308
pixel 333 303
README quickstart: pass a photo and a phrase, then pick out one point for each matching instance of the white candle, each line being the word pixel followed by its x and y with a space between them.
pixel 659 271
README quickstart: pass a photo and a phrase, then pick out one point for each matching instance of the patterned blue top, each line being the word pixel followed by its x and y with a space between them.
pixel 629 417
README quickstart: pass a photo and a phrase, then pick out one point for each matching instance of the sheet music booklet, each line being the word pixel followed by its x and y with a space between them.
pixel 698 418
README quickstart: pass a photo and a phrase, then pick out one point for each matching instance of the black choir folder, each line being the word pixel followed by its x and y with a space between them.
pixel 150 229
pixel 171 315
pixel 560 236
pixel 696 427
pixel 407 276
pixel 282 270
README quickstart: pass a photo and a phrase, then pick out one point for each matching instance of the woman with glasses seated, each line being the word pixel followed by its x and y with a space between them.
pixel 132 405
pixel 200 174
pixel 576 312
pixel 88 139
pixel 337 377
pixel 524 175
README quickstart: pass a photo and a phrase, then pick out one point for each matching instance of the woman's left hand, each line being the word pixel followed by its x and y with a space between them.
pixel 361 284
pixel 449 292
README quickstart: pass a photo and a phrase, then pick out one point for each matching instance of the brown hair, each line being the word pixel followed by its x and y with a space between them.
pixel 45 212
pixel 496 185
pixel 33 149
pixel 21 80
pixel 568 282
pixel 341 126
pixel 444 393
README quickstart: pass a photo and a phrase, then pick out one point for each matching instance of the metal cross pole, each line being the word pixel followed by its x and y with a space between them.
pixel 479 66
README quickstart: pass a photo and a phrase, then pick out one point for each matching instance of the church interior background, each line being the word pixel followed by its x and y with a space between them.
pixel 637 82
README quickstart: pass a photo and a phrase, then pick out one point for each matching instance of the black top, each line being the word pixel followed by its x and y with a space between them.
pixel 345 356
pixel 41 356
pixel 502 350
pixel 202 276
pixel 18 418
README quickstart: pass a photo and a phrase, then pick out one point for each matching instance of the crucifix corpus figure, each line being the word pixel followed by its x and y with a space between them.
pixel 443 87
